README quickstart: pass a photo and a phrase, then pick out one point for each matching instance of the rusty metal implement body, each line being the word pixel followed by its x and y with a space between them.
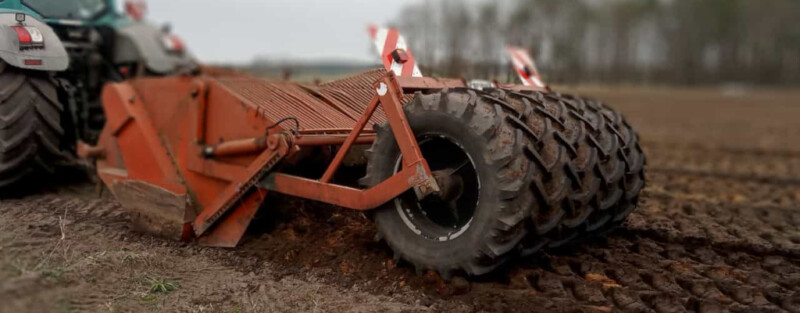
pixel 192 158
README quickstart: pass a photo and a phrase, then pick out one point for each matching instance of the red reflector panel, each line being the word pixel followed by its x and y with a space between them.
pixel 33 62
pixel 528 71
pixel 29 37
pixel 23 34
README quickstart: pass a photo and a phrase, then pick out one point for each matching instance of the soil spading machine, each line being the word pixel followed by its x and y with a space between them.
pixel 457 179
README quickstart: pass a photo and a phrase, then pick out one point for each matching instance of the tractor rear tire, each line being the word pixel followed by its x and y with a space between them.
pixel 30 124
pixel 452 125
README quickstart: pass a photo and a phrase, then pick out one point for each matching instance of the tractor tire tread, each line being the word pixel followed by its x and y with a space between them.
pixel 30 125
pixel 506 154
pixel 599 145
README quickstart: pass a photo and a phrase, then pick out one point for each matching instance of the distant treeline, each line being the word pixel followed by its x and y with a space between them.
pixel 683 42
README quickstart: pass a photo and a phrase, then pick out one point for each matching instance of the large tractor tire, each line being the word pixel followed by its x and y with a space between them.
pixel 519 171
pixel 606 166
pixel 30 124
pixel 629 152
pixel 482 159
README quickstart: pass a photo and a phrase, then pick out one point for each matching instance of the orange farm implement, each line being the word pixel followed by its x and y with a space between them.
pixel 457 179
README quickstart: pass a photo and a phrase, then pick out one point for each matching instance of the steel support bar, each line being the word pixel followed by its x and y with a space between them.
pixel 415 173
pixel 351 198
pixel 237 147
pixel 351 139
pixel 389 93
pixel 331 140
pixel 258 144
pixel 330 131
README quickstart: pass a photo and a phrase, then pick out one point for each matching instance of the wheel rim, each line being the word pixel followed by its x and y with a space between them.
pixel 446 215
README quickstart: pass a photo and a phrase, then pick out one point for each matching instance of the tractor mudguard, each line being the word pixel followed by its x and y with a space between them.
pixel 142 41
pixel 51 57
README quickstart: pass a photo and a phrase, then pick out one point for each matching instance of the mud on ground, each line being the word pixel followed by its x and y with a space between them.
pixel 718 230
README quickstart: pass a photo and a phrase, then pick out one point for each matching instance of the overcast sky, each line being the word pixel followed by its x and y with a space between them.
pixel 236 31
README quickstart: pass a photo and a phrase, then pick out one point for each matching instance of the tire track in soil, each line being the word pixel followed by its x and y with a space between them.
pixel 666 258
pixel 637 268
pixel 756 229
pixel 724 165
pixel 721 190
pixel 716 231
pixel 751 151
pixel 756 217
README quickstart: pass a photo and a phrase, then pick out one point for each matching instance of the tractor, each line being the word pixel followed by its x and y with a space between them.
pixel 55 58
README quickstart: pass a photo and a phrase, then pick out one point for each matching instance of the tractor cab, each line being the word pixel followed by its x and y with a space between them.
pixel 69 10
pixel 123 38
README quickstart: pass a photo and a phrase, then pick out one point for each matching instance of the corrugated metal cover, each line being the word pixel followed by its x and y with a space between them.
pixel 337 104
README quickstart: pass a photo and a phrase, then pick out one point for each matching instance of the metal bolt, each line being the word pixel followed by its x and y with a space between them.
pixel 208 151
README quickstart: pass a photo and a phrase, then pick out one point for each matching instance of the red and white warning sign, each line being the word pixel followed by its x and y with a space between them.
pixel 525 67
pixel 28 35
pixel 394 51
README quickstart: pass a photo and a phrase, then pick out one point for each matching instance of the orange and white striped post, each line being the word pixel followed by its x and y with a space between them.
pixel 523 64
pixel 394 51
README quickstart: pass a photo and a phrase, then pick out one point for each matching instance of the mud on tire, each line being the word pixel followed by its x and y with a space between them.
pixel 629 152
pixel 462 120
pixel 551 168
pixel 604 166
pixel 30 124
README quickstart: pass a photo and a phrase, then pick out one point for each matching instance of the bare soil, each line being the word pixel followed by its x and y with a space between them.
pixel 717 230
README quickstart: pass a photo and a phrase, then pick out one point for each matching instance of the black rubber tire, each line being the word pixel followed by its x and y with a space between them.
pixel 605 167
pixel 496 149
pixel 629 151
pixel 562 194
pixel 526 164
pixel 578 171
pixel 30 124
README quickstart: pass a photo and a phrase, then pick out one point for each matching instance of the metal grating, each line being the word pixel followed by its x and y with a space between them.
pixel 335 105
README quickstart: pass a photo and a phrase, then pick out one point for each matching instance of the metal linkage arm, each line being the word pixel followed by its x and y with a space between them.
pixel 278 146
pixel 415 173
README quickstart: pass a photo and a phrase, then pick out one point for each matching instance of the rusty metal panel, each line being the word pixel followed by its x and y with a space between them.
pixel 356 91
pixel 277 100
pixel 363 80
pixel 158 152
pixel 334 105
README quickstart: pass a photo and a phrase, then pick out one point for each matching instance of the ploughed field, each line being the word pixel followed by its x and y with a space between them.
pixel 717 230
